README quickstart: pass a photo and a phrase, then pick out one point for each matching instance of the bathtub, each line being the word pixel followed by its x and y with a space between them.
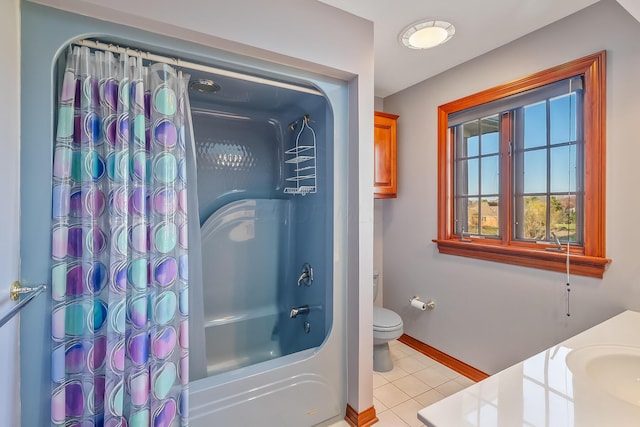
pixel 242 248
pixel 249 357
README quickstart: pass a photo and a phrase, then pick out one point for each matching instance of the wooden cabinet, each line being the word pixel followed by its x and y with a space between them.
pixel 385 183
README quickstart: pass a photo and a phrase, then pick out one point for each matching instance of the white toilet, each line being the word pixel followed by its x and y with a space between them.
pixel 387 326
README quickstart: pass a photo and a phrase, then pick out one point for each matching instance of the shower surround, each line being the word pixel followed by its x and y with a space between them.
pixel 290 367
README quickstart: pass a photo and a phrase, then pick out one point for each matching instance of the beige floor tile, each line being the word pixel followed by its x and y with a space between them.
pixel 379 380
pixel 397 355
pixel 394 374
pixel 401 349
pixel 408 412
pixel 389 419
pixel 466 382
pixel 390 395
pixel 380 407
pixel 432 376
pixel 398 351
pixel 450 373
pixel 450 387
pixel 431 396
pixel 429 361
pixel 416 381
pixel 411 385
pixel 412 352
pixel 410 364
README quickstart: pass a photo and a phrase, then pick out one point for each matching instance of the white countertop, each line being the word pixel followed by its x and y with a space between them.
pixel 542 391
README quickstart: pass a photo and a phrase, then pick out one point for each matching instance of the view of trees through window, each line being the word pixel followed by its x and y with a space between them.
pixel 562 218
pixel 483 218
pixel 521 170
pixel 544 149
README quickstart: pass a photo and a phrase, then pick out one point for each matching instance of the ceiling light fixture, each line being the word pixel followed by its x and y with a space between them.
pixel 427 34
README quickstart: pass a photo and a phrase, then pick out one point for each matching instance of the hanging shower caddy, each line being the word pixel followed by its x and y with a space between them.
pixel 303 159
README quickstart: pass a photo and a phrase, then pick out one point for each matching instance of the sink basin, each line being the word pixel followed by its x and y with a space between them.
pixel 613 369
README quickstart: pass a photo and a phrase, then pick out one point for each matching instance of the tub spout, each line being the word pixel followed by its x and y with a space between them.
pixel 295 311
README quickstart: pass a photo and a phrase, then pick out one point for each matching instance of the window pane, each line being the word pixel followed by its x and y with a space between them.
pixel 563 217
pixel 461 215
pixel 535 171
pixel 490 127
pixel 535 218
pixel 460 178
pixel 490 174
pixel 467 177
pixel 562 115
pixel 472 216
pixel 563 169
pixel 471 146
pixel 535 125
pixel 490 217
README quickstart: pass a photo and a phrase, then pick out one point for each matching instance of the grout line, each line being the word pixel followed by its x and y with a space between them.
pixel 436 392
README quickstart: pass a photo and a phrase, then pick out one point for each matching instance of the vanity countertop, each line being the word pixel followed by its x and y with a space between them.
pixel 543 391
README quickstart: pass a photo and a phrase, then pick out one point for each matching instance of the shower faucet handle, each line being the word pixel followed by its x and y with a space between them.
pixel 306 276
pixel 295 311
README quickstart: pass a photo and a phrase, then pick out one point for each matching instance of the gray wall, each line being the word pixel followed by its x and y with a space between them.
pixel 492 315
pixel 378 215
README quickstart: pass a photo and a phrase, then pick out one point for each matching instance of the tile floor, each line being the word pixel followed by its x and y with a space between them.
pixel 414 382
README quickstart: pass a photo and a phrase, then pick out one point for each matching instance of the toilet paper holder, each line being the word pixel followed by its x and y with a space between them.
pixel 415 301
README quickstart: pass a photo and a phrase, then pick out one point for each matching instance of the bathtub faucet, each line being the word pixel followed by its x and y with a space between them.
pixel 306 276
pixel 295 311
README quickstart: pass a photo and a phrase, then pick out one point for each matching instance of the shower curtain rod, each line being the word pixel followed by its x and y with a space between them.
pixel 193 66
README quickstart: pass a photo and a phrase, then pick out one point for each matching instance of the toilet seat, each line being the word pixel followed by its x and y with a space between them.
pixel 386 320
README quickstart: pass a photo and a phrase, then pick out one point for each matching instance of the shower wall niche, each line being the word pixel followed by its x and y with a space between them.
pixel 256 234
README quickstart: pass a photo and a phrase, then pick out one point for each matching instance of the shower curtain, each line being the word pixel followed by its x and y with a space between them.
pixel 119 270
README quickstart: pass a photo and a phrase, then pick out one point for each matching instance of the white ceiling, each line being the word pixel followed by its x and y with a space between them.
pixel 481 26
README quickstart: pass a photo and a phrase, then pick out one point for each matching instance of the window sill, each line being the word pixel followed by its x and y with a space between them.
pixel 581 265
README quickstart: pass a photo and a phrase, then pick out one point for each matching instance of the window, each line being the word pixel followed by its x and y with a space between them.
pixel 521 171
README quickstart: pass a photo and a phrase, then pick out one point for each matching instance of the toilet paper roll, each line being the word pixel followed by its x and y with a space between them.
pixel 418 304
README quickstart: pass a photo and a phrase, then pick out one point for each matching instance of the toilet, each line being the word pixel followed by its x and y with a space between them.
pixel 387 326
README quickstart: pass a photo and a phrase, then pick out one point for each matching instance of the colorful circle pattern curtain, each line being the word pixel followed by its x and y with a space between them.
pixel 119 244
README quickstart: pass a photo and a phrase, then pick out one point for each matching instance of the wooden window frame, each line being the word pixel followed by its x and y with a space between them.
pixel 588 260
